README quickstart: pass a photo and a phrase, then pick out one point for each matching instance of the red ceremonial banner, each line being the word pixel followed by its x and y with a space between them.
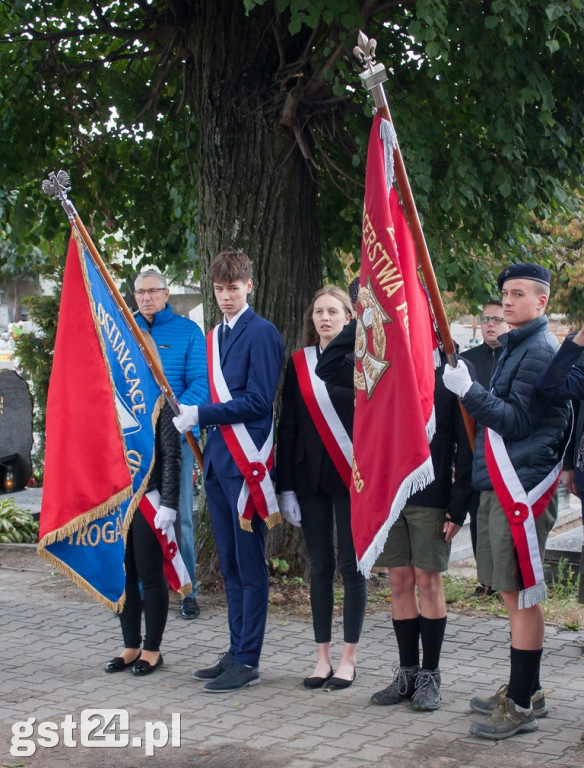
pixel 83 434
pixel 394 373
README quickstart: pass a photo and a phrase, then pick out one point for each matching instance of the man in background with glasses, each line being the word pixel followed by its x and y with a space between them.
pixel 183 352
pixel 484 358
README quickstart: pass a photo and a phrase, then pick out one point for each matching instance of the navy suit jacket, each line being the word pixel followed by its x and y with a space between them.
pixel 251 361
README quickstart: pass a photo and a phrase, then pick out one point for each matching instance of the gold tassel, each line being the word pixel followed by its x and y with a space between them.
pixel 272 520
pixel 183 591
pixel 245 524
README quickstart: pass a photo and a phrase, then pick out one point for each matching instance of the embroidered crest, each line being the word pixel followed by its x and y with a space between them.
pixel 373 362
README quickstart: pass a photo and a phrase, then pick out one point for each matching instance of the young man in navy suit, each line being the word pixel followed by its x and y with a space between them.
pixel 245 355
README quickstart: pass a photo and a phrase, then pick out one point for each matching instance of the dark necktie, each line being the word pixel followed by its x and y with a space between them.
pixel 225 335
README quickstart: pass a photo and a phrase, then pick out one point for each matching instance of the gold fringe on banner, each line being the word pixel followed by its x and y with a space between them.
pixel 79 581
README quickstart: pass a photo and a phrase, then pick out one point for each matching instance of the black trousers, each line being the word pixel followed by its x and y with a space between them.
pixel 144 563
pixel 319 514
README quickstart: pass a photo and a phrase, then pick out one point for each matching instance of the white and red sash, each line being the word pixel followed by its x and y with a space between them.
pixel 174 568
pixel 522 510
pixel 326 420
pixel 257 492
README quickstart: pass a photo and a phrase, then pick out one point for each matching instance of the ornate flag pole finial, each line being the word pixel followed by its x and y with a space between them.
pixel 57 185
pixel 373 74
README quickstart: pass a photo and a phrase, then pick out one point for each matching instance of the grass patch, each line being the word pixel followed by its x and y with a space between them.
pixel 291 595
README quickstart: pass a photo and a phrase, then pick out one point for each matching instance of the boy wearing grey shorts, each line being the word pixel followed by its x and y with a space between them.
pixel 417 553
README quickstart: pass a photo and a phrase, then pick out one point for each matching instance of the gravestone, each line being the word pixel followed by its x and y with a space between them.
pixel 15 429
pixel 562 555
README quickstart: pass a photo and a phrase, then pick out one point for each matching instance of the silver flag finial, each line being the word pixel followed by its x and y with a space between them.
pixel 57 185
pixel 365 49
pixel 373 74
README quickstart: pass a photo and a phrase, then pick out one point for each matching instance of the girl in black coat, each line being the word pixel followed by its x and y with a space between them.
pixel 315 494
pixel 144 558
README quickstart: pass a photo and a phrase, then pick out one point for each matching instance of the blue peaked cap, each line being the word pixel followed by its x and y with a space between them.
pixel 524 272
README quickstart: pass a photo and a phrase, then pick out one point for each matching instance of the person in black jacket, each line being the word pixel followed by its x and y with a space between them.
pixel 417 552
pixel 314 486
pixel 564 378
pixel 144 558
pixel 484 358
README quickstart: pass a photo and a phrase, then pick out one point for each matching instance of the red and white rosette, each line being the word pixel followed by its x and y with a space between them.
pixel 522 510
pixel 174 568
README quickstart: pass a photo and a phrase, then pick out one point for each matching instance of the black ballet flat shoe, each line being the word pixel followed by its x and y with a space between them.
pixel 142 667
pixel 118 664
pixel 317 682
pixel 340 682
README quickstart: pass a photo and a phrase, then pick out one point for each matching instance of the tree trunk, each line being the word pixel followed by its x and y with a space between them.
pixel 269 211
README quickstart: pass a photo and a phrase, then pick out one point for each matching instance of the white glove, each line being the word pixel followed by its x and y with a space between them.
pixel 187 419
pixel 164 518
pixel 290 508
pixel 457 379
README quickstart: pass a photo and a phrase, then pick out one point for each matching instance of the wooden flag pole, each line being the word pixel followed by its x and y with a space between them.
pixel 58 186
pixel 373 77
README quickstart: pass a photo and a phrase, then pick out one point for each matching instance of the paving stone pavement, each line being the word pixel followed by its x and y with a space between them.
pixel 51 662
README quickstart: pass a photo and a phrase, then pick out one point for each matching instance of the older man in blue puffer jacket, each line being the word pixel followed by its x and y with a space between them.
pixel 182 349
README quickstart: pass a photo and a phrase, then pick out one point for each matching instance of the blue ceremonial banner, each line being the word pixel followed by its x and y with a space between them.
pixel 101 419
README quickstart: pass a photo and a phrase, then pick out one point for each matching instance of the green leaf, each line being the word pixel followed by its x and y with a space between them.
pixel 433 50
pixel 554 11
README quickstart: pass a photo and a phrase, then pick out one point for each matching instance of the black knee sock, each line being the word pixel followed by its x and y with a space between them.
pixel 524 669
pixel 407 634
pixel 536 684
pixel 432 634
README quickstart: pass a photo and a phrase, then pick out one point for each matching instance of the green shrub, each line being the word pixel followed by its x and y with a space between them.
pixel 17 526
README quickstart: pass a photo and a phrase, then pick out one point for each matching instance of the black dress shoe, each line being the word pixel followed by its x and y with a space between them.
pixel 118 664
pixel 189 608
pixel 317 682
pixel 142 667
pixel 235 677
pixel 210 673
pixel 340 682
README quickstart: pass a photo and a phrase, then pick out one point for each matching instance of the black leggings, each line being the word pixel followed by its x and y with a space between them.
pixel 318 523
pixel 144 562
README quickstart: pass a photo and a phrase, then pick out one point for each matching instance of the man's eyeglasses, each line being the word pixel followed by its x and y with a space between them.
pixel 486 319
pixel 149 291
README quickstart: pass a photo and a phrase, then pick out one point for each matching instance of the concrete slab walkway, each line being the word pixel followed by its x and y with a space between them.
pixel 53 649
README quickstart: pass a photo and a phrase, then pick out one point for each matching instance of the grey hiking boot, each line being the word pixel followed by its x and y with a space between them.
pixel 507 720
pixel 427 697
pixel 488 706
pixel 402 687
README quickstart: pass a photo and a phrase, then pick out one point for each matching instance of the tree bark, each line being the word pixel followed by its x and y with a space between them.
pixel 269 211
